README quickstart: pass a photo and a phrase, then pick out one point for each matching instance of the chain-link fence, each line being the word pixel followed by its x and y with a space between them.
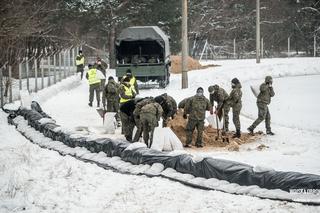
pixel 34 74
pixel 244 49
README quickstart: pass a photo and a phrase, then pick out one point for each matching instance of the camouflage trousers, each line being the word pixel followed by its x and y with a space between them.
pixel 113 106
pixel 191 125
pixel 94 88
pixel 226 110
pixel 263 114
pixel 139 129
pixel 149 122
pixel 127 126
pixel 236 116
pixel 80 69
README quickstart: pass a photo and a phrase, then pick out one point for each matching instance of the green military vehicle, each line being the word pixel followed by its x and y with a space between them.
pixel 145 50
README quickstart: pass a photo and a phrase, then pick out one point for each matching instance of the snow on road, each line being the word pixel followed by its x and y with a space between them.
pixel 40 180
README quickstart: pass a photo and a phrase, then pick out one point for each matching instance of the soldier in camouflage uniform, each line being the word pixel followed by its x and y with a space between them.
pixel 150 115
pixel 127 93
pixel 136 114
pixel 220 96
pixel 111 95
pixel 235 102
pixel 169 106
pixel 263 100
pixel 196 107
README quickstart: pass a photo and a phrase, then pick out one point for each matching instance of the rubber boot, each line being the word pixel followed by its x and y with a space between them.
pixel 237 135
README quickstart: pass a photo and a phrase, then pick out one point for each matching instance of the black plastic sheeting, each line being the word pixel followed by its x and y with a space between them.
pixel 230 171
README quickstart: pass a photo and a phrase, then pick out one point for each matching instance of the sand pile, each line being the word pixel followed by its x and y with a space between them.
pixel 178 125
pixel 193 64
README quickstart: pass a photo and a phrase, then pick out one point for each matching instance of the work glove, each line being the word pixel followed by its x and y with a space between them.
pixel 185 116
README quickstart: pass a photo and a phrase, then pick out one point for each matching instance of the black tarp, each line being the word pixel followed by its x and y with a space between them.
pixel 233 172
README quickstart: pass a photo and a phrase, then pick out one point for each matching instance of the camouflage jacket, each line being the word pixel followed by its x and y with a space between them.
pixel 169 107
pixel 220 96
pixel 265 94
pixel 196 107
pixel 235 96
pixel 111 90
pixel 141 104
pixel 182 103
pixel 153 108
pixel 102 67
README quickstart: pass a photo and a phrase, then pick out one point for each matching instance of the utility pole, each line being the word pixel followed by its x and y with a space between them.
pixel 258 32
pixel 184 36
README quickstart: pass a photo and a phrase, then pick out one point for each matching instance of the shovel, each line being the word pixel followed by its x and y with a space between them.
pixel 102 113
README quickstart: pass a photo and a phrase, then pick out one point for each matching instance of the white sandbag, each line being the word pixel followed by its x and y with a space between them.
pixel 100 75
pixel 164 139
pixel 255 89
pixel 25 99
pixel 136 145
pixel 212 121
pixel 110 123
pixel 158 139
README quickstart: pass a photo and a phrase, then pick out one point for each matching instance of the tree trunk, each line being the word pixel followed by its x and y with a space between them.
pixel 112 47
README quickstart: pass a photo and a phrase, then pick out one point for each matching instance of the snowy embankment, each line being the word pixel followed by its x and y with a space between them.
pixel 45 181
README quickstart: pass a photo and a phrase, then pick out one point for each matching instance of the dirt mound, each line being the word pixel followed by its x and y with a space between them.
pixel 193 64
pixel 178 125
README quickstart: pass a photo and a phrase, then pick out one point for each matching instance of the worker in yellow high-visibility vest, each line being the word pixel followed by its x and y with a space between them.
pixel 80 63
pixel 127 94
pixel 132 80
pixel 94 84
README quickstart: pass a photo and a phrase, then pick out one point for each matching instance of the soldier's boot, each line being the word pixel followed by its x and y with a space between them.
pixel 199 145
pixel 250 130
pixel 237 134
pixel 90 104
pixel 269 132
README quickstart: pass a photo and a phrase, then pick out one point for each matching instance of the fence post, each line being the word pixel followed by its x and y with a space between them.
pixel 35 75
pixel 54 68
pixel 10 84
pixel 64 64
pixel 314 46
pixel 42 73
pixel 49 71
pixel 72 60
pixel 20 75
pixel 262 45
pixel 234 48
pixel 69 61
pixel 60 66
pixel 27 73
pixel 1 87
pixel 288 46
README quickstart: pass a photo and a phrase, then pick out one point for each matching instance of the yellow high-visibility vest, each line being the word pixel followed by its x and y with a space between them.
pixel 81 61
pixel 128 91
pixel 93 76
pixel 132 81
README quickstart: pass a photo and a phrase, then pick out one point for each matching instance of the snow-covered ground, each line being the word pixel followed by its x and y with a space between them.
pixel 43 181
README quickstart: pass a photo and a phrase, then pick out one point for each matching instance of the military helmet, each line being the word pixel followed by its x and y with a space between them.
pixel 210 89
pixel 235 81
pixel 200 89
pixel 216 87
pixel 159 99
pixel 268 79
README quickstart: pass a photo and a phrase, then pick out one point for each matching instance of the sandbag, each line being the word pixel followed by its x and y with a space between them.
pixel 212 120
pixel 164 139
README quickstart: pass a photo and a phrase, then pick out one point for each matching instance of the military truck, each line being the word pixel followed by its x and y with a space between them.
pixel 145 50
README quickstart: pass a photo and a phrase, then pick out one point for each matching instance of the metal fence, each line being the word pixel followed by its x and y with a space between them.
pixel 34 74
